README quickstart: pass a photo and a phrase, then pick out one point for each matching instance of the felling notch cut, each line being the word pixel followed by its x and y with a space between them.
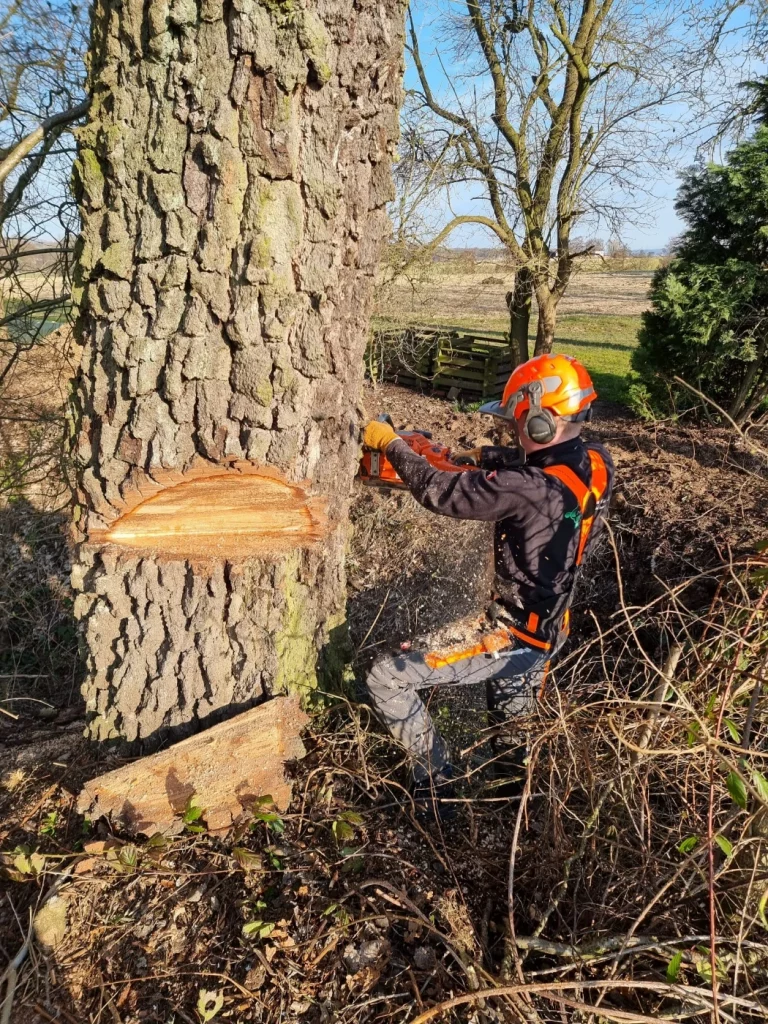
pixel 229 511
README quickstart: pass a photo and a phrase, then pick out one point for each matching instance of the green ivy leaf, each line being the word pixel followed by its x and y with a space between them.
pixel 261 929
pixel 352 817
pixel 192 813
pixel 128 855
pixel 22 864
pixel 704 970
pixel 737 789
pixel 761 909
pixel 48 825
pixel 26 862
pixel 268 817
pixel 760 783
pixel 731 727
pixel 673 967
pixel 342 831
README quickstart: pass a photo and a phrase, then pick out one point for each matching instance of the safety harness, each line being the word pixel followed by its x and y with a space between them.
pixel 587 497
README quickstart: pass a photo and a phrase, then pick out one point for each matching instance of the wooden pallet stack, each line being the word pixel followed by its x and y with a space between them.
pixel 475 363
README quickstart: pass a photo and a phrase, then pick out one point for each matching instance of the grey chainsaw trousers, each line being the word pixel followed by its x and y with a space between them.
pixel 513 678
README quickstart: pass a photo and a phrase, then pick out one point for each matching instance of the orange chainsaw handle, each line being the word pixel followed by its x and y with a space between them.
pixel 437 455
pixel 375 467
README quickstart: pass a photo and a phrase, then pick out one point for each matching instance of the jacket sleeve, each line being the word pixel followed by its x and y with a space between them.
pixel 475 494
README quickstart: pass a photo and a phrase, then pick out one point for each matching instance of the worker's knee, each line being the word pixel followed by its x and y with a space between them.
pixel 385 680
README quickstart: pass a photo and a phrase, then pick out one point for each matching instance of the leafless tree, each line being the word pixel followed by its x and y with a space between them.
pixel 41 97
pixel 418 176
pixel 556 112
pixel 732 35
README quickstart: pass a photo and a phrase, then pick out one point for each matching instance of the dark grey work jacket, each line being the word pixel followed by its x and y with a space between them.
pixel 537 523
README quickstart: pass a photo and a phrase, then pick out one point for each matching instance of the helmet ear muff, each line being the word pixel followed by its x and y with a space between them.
pixel 539 424
pixel 542 428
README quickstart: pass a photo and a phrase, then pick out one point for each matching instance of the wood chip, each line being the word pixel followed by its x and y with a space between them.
pixel 226 768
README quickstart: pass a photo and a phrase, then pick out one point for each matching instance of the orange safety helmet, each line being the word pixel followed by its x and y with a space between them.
pixel 541 389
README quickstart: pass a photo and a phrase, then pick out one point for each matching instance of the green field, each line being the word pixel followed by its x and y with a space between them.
pixel 604 344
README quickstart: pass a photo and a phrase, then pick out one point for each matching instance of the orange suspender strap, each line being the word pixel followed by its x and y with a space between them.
pixel 500 638
pixel 582 493
pixel 597 487
pixel 532 640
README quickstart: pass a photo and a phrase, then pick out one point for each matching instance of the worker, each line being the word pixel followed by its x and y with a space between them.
pixel 546 510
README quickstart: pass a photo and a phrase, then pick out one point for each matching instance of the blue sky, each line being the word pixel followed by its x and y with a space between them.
pixel 656 222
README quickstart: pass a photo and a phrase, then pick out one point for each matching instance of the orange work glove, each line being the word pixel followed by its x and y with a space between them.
pixel 378 435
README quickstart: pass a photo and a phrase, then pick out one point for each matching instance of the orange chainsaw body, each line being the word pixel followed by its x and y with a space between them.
pixel 376 469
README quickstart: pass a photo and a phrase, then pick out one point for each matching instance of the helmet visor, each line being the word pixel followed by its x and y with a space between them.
pixel 493 409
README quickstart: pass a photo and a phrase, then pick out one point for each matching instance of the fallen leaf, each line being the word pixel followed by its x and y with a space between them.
pixel 209 1003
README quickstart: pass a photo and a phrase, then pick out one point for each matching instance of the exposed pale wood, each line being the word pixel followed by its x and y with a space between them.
pixel 224 514
pixel 225 768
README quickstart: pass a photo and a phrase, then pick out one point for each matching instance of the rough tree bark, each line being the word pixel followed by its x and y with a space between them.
pixel 232 178
pixel 519 305
pixel 547 320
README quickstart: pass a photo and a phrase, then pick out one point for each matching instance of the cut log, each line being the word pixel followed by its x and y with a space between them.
pixel 225 769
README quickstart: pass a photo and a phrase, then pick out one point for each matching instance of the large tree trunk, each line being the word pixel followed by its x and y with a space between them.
pixel 519 305
pixel 232 179
pixel 545 329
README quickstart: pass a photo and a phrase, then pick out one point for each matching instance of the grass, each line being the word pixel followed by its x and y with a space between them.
pixel 605 345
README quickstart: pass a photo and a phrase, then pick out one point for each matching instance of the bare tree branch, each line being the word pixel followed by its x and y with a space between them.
pixel 25 147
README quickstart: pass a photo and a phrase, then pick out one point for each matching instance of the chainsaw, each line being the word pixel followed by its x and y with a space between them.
pixel 376 469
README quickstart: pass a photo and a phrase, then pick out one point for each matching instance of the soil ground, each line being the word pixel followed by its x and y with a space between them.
pixel 347 909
